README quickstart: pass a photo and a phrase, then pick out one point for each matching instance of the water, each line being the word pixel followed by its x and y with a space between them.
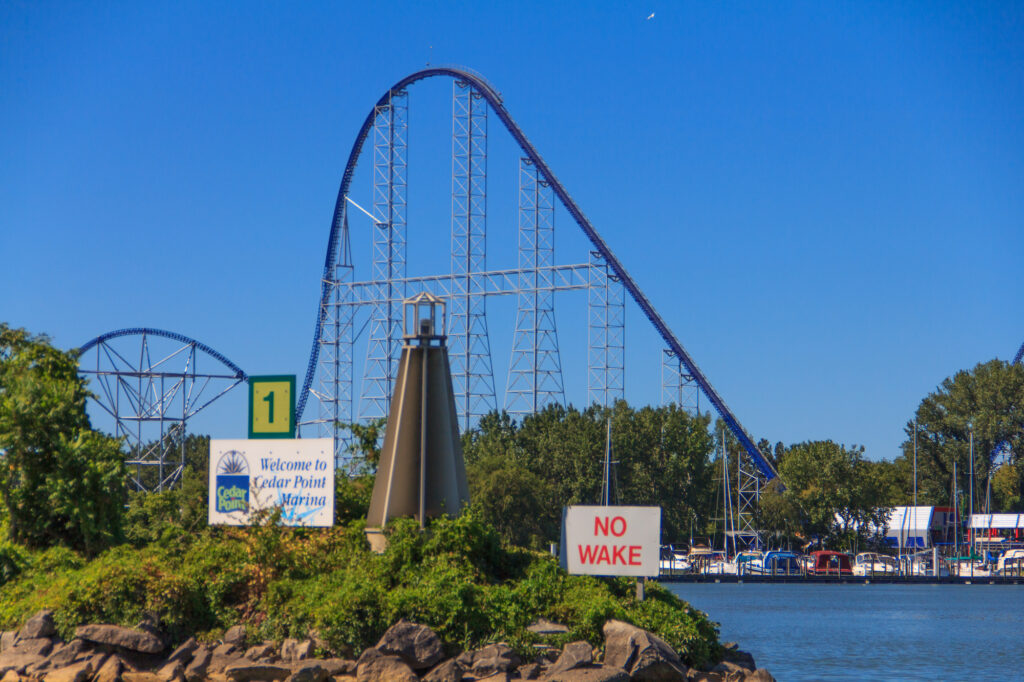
pixel 870 632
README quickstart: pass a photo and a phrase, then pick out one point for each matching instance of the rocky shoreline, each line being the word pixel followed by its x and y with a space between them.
pixel 407 652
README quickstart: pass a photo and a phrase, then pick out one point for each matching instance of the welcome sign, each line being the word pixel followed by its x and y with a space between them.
pixel 296 475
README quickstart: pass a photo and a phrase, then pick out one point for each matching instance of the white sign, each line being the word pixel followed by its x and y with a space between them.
pixel 296 475
pixel 611 540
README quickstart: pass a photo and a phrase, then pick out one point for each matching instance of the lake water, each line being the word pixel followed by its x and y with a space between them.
pixel 870 632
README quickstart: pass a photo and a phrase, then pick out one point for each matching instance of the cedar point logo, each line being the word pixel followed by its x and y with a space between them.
pixel 233 483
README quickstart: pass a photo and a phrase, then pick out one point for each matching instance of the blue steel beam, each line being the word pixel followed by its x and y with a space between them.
pixel 493 98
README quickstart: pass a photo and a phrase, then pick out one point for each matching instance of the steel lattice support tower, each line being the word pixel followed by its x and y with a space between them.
pixel 748 488
pixel 334 392
pixel 606 335
pixel 677 386
pixel 390 164
pixel 468 344
pixel 535 369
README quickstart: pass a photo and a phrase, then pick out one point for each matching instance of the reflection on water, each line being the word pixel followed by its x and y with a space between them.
pixel 878 632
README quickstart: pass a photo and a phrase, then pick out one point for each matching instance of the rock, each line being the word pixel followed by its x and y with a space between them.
pixel 336 667
pixel 254 672
pixel 110 671
pixel 196 670
pixel 225 649
pixel 38 646
pixel 601 673
pixel 759 675
pixel 574 655
pixel 384 668
pixel 10 676
pixel 417 645
pixel 493 658
pixel 727 668
pixel 124 638
pixel 448 671
pixel 39 625
pixel 66 654
pixel 543 626
pixel 529 671
pixel 140 677
pixel 235 635
pixel 695 675
pixel 172 670
pixel 643 655
pixel 261 651
pixel 77 672
pixel 740 658
pixel 496 677
pixel 8 639
pixel 308 672
pixel 184 652
pixel 18 662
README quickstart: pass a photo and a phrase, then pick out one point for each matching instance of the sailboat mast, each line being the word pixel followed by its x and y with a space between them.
pixel 606 488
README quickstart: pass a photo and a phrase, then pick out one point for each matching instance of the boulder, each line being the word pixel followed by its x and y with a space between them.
pixel 123 638
pixel 337 667
pixel 8 639
pixel 417 645
pixel 643 655
pixel 235 635
pixel 38 646
pixel 493 658
pixel 184 652
pixel 196 670
pixel 448 671
pixel 226 649
pixel 66 654
pixel 727 668
pixel 171 671
pixel 574 655
pixel 543 626
pixel 529 671
pixel 39 625
pixel 309 671
pixel 740 658
pixel 12 660
pixel 384 668
pixel 601 673
pixel 759 675
pixel 10 676
pixel 140 677
pixel 261 652
pixel 244 671
pixel 77 672
pixel 110 671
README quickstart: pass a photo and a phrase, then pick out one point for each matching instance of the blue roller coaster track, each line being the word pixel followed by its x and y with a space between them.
pixel 181 338
pixel 493 97
pixel 1019 356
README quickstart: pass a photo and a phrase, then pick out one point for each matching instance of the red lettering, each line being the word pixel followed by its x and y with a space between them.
pixel 600 527
pixel 622 528
pixel 617 554
pixel 634 555
pixel 602 556
pixel 587 554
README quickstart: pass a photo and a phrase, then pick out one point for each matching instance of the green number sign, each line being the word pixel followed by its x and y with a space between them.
pixel 272 406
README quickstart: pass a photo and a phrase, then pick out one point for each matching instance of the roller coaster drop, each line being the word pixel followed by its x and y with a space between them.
pixel 534 370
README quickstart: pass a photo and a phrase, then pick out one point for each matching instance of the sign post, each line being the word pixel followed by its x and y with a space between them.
pixel 599 540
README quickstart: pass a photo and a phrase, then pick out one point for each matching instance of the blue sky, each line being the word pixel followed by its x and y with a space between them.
pixel 824 200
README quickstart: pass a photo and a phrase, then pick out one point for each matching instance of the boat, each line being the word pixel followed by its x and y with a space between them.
pixel 826 562
pixel 776 563
pixel 920 564
pixel 874 564
pixel 1011 562
pixel 673 561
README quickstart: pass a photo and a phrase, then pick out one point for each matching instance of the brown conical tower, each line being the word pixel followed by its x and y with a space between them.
pixel 421 472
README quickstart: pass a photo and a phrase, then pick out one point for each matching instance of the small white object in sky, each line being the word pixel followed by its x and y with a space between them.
pixel 651 16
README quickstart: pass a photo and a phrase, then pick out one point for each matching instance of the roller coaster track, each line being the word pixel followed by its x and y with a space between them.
pixel 493 98
pixel 181 338
pixel 1020 355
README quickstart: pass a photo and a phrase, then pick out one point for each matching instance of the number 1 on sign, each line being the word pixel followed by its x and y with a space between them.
pixel 269 399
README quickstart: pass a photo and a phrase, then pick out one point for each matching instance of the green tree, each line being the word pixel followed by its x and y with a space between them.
pixel 60 481
pixel 837 497
pixel 988 400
